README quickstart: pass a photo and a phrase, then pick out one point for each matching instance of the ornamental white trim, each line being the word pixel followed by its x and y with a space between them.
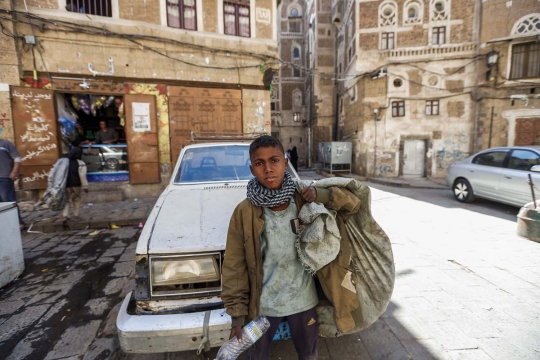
pixel 388 14
pixel 439 10
pixel 527 25
pixel 418 6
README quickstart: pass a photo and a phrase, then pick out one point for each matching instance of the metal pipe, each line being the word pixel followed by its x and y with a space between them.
pixel 531 184
pixel 490 128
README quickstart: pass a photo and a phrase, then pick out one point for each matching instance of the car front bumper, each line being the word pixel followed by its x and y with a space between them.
pixel 171 332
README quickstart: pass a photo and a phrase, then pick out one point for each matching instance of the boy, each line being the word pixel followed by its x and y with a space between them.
pixel 262 273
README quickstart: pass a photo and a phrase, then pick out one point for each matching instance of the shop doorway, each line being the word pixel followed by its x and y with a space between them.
pixel 414 153
pixel 527 132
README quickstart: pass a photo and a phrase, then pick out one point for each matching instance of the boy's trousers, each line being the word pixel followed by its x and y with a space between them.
pixel 304 332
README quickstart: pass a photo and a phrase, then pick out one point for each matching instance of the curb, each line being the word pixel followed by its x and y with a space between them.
pixel 381 181
pixel 59 226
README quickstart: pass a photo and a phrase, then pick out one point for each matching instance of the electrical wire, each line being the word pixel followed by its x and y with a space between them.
pixel 70 27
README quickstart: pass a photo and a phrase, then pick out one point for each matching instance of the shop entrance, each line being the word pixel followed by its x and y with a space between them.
pixel 98 122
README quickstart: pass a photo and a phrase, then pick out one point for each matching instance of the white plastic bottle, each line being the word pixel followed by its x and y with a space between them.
pixel 250 334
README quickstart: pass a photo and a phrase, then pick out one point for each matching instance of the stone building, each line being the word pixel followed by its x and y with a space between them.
pixel 508 110
pixel 154 70
pixel 407 71
pixel 289 85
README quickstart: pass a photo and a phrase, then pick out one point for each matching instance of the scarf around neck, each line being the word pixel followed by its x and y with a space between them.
pixel 264 197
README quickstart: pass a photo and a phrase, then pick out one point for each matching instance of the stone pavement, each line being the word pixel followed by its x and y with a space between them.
pixel 93 216
pixel 64 305
pixel 467 287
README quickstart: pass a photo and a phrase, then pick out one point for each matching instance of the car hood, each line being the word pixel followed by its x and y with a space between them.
pixel 195 220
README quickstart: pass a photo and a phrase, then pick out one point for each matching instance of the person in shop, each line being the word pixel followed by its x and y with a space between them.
pixel 105 135
pixel 75 183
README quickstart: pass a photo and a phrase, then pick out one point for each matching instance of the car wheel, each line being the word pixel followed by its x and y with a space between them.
pixel 463 191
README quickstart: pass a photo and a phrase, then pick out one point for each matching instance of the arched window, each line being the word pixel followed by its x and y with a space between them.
pixel 413 12
pixel 527 25
pixel 296 53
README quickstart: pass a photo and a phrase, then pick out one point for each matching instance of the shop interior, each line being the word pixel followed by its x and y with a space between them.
pixel 98 123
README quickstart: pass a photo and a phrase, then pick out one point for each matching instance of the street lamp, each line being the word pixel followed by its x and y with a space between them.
pixel 492 58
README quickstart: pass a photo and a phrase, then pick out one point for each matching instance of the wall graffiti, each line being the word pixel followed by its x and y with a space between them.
pixel 452 150
pixel 380 170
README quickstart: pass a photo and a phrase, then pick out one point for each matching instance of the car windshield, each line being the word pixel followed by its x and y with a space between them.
pixel 215 163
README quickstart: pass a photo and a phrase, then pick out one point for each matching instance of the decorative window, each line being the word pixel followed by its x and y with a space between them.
pixel 432 107
pixel 527 25
pixel 439 10
pixel 182 14
pixel 398 108
pixel 296 71
pixel 413 12
pixel 388 14
pixel 236 19
pixel 296 52
pixel 525 61
pixel 387 41
pixel 295 21
pixel 91 7
pixel 439 35
pixel 297 99
pixel 352 51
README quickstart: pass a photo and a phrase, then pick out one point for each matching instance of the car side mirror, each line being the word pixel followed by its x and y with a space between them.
pixel 535 168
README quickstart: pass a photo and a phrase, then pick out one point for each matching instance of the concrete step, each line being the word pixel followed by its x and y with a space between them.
pixel 102 196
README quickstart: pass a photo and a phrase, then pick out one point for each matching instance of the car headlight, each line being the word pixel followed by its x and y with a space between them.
pixel 184 271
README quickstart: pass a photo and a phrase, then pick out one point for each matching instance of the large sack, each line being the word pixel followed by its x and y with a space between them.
pixel 372 261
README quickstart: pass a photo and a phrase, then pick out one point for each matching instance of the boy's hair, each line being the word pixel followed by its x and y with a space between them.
pixel 265 141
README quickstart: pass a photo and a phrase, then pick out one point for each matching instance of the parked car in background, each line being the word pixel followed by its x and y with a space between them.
pixel 500 174
pixel 180 252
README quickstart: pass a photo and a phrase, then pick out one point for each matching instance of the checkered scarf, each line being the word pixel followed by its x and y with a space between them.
pixel 264 197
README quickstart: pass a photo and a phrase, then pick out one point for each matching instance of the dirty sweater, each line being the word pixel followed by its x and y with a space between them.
pixel 287 287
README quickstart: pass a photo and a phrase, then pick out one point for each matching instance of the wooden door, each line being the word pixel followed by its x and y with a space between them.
pixel 36 134
pixel 202 110
pixel 142 139
pixel 527 132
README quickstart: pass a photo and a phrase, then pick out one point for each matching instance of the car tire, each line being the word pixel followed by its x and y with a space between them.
pixel 463 191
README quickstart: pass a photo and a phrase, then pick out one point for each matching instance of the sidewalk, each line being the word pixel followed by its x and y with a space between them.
pixel 417 183
pixel 93 216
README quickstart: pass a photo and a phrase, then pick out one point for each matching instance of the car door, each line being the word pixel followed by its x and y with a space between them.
pixel 485 171
pixel 514 184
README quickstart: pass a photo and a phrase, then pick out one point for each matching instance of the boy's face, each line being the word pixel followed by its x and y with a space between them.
pixel 268 165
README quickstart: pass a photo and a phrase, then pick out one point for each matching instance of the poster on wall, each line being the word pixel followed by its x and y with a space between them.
pixel 141 116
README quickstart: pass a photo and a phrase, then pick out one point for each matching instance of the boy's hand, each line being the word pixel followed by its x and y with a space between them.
pixel 236 331
pixel 309 194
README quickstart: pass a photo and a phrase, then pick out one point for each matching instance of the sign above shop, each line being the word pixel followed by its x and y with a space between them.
pixel 89 86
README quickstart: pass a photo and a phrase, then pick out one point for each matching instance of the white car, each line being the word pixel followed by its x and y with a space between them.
pixel 180 252
pixel 499 174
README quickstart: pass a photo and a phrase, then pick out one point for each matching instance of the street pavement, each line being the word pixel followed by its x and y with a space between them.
pixel 467 287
